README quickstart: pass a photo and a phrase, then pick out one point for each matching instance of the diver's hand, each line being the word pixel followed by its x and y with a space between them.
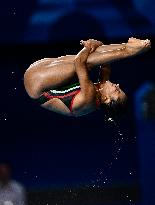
pixel 91 44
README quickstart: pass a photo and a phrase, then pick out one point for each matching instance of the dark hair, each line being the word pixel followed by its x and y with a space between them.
pixel 115 109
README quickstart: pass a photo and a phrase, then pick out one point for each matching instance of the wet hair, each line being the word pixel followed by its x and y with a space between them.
pixel 116 109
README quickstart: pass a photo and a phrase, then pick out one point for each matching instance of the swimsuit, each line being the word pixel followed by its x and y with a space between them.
pixel 65 94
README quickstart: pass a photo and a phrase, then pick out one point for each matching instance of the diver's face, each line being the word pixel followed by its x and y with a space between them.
pixel 113 92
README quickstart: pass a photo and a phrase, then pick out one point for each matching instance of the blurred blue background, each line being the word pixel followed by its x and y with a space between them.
pixel 53 152
pixel 43 21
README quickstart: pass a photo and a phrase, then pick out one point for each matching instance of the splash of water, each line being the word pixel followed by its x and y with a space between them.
pixel 102 177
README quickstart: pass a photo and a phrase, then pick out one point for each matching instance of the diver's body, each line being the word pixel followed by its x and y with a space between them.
pixel 50 73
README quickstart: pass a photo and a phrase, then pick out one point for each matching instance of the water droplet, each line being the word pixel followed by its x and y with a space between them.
pixel 110 119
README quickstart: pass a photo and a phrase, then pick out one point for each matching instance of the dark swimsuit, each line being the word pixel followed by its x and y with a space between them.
pixel 65 94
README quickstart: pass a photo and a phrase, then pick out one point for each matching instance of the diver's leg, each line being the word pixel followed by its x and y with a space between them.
pixel 108 53
pixel 46 75
pixel 99 55
pixel 104 54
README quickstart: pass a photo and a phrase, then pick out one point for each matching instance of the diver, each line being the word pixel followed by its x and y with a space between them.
pixel 45 80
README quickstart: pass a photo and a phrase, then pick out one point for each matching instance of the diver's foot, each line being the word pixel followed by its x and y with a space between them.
pixel 135 46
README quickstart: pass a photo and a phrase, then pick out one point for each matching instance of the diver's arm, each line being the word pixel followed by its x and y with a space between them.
pixel 82 72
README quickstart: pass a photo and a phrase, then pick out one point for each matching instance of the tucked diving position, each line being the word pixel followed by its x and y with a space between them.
pixel 45 80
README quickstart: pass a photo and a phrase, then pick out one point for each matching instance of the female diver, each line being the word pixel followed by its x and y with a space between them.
pixel 45 79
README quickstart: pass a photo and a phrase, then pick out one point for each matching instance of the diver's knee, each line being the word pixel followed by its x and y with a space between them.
pixel 33 85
